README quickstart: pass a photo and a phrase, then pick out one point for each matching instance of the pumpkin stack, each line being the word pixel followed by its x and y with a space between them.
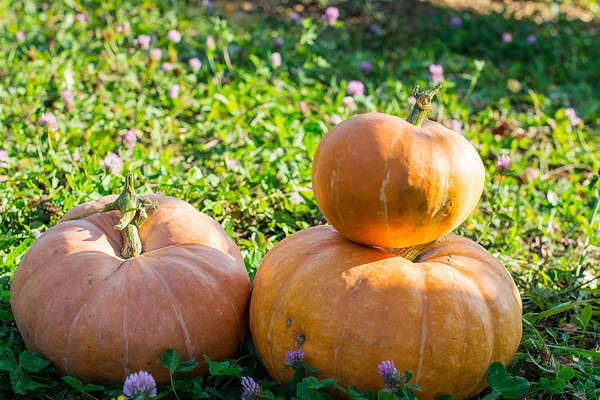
pixel 386 281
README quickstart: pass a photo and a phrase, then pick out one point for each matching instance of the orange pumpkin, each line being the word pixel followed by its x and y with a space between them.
pixel 99 316
pixel 446 316
pixel 382 181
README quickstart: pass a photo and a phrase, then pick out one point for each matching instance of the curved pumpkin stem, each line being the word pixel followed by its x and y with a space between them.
pixel 422 105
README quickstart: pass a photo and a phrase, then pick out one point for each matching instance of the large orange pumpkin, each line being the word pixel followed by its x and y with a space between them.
pixel 99 316
pixel 382 181
pixel 446 316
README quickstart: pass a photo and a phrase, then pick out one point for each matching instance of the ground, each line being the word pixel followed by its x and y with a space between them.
pixel 237 139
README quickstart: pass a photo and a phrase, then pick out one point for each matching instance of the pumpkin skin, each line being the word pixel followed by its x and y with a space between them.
pixel 445 318
pixel 381 181
pixel 100 317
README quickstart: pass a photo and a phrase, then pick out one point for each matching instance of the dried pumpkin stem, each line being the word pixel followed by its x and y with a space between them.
pixel 411 253
pixel 422 105
pixel 133 215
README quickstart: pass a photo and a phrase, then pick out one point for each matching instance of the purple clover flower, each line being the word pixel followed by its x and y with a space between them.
pixel 174 91
pixel 436 72
pixel 331 15
pixel 366 66
pixel 456 22
pixel 166 67
pixel 356 88
pixel 411 100
pixel 506 37
pixel 129 139
pixel 48 120
pixel 67 97
pixel 456 126
pixel 376 29
pixel 174 36
pixel 113 163
pixel 294 357
pixel 155 54
pixel 572 116
pixel 348 101
pixel 195 63
pixel 279 42
pixel 20 36
pixel 303 107
pixel 81 18
pixel 142 41
pixel 209 5
pixel 276 59
pixel 531 39
pixel 503 163
pixel 252 390
pixel 295 18
pixel 139 385
pixel 125 29
pixel 389 373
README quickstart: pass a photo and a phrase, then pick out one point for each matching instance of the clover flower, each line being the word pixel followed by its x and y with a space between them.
pixel 174 36
pixel 276 59
pixel 436 72
pixel 252 390
pixel 195 64
pixel 390 375
pixel 294 357
pixel 356 88
pixel 365 66
pixel 129 139
pixel 331 15
pixel 113 163
pixel 503 163
pixel 174 91
pixel 506 37
pixel 142 41
pixel 49 120
pixel 139 385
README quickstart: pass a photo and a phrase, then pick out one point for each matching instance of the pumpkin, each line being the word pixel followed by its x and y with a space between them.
pixel 99 312
pixel 384 181
pixel 445 316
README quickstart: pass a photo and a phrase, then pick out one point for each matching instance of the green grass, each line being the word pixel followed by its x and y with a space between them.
pixel 236 145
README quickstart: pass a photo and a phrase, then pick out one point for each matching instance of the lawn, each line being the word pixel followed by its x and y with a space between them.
pixel 228 116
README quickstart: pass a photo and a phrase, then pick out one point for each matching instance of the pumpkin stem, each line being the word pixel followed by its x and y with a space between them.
pixel 133 215
pixel 412 253
pixel 422 105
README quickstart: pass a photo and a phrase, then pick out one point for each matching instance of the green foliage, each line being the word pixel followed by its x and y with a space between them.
pixel 236 145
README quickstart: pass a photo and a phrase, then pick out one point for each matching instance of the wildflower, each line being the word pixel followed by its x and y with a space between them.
pixel 331 15
pixel 389 373
pixel 531 39
pixel 348 101
pixel 294 357
pixel 125 29
pixel 531 173
pixel 335 119
pixel 210 43
pixel 366 66
pixel 572 116
pixel 506 37
pixel 139 385
pixel 142 41
pixel 155 54
pixel 67 97
pixel 295 18
pixel 195 63
pixel 129 139
pixel 76 156
pixel 276 59
pixel 3 159
pixel 231 164
pixel 456 22
pixel 356 87
pixel 174 91
pixel 20 36
pixel 81 18
pixel 114 164
pixel 49 120
pixel 279 42
pixel 376 29
pixel 436 72
pixel 209 5
pixel 303 107
pixel 252 390
pixel 411 100
pixel 503 163
pixel 174 36
pixel 166 67
pixel 456 126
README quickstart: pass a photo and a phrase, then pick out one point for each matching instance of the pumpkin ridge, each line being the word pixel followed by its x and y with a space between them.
pixel 191 244
pixel 176 307
pixel 68 360
pixel 425 309
pixel 126 366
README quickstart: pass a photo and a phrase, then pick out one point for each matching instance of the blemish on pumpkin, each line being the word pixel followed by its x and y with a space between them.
pixel 300 339
pixel 288 323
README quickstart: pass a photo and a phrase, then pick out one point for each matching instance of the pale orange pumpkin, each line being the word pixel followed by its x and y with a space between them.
pixel 99 316
pixel 446 316
pixel 382 181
